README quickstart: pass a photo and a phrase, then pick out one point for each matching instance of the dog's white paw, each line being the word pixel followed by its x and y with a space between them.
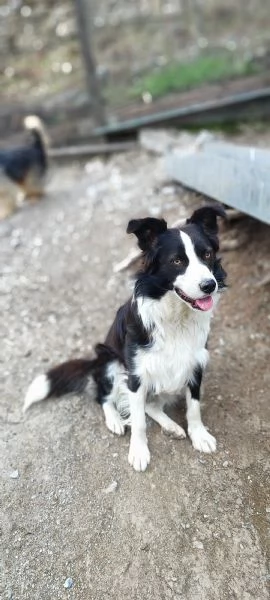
pixel 174 430
pixel 139 455
pixel 114 423
pixel 202 440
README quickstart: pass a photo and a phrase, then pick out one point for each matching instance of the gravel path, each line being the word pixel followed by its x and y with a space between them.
pixel 76 521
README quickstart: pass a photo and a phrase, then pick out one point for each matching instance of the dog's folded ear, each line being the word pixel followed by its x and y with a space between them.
pixel 206 218
pixel 147 231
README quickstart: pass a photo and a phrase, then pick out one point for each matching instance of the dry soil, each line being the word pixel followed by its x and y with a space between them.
pixel 192 527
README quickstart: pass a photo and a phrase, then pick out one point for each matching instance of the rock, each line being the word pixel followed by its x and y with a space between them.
pixel 158 141
pixel 168 190
pixel 69 583
pixel 14 474
pixel 198 545
pixel 111 488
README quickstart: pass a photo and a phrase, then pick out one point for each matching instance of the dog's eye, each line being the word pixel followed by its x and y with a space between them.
pixel 177 261
pixel 207 255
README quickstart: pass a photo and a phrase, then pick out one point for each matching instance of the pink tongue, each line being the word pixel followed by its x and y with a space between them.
pixel 204 303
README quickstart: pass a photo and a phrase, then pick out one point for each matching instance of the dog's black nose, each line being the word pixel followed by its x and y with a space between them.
pixel 208 286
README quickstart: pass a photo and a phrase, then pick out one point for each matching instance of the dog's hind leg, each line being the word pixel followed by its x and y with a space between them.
pixel 110 386
pixel 113 419
pixel 168 426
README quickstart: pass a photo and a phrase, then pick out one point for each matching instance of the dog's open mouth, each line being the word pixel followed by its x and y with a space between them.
pixel 205 303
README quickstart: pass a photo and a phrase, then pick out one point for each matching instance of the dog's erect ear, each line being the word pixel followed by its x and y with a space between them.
pixel 206 218
pixel 147 231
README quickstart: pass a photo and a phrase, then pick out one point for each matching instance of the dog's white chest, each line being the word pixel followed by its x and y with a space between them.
pixel 177 348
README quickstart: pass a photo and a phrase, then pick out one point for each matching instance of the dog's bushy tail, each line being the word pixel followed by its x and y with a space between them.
pixel 40 142
pixel 35 126
pixel 68 377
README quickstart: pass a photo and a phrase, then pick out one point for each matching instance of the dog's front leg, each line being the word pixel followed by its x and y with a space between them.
pixel 139 455
pixel 201 439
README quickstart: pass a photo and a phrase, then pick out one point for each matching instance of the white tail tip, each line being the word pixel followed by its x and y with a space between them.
pixel 37 391
pixel 33 122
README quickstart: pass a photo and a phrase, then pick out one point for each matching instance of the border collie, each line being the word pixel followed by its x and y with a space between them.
pixel 156 346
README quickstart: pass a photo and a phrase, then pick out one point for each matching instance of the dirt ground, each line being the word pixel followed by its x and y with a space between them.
pixel 191 527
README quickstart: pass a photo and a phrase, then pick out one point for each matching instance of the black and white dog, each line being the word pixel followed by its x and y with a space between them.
pixel 156 346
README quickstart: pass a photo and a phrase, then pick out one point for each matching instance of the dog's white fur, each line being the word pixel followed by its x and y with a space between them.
pixel 179 336
pixel 38 390
pixel 196 272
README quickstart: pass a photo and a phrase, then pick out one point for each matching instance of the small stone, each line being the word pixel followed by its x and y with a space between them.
pixel 14 474
pixel 145 547
pixel 154 211
pixel 168 190
pixel 198 545
pixel 51 319
pixel 111 488
pixel 15 243
pixel 69 583
pixel 225 464
pixel 60 217
pixel 147 97
pixel 37 241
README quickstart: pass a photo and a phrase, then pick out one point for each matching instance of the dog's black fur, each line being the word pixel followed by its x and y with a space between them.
pixel 164 260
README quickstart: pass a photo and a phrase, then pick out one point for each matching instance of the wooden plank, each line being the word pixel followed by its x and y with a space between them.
pixel 248 105
pixel 90 150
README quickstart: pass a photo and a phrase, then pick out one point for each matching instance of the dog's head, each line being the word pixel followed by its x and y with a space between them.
pixel 181 260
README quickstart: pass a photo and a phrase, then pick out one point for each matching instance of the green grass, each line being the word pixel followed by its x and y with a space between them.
pixel 203 69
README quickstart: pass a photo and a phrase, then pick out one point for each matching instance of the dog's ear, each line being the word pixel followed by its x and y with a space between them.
pixel 147 231
pixel 206 218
